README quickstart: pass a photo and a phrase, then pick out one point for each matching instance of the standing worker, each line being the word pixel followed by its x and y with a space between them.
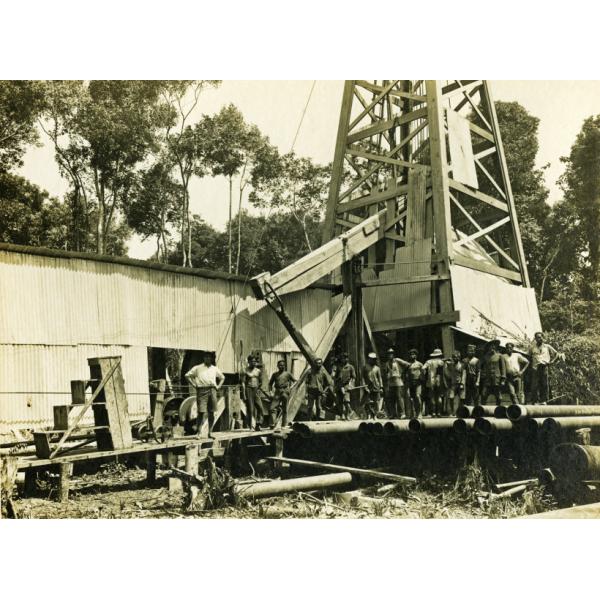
pixel 493 373
pixel 207 379
pixel 280 384
pixel 252 381
pixel 433 370
pixel 374 383
pixel 394 387
pixel 345 380
pixel 414 378
pixel 454 375
pixel 542 356
pixel 472 376
pixel 515 365
pixel 318 384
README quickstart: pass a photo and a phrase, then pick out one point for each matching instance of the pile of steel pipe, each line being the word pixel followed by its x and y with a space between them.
pixel 490 425
pixel 556 424
pixel 515 412
pixel 500 412
pixel 576 463
pixel 483 411
pixel 395 427
pixel 419 425
pixel 371 427
pixel 464 412
pixel 310 428
pixel 261 489
pixel 533 425
pixel 463 426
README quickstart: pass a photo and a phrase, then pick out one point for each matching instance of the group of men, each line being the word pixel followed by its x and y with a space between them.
pixel 399 388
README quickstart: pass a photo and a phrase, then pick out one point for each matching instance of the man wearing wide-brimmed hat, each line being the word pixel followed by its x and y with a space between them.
pixel 393 371
pixel 433 370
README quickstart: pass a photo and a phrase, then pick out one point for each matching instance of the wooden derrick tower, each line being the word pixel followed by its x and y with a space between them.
pixel 427 156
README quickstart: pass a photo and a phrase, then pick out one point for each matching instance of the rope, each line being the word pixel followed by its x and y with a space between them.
pixel 303 114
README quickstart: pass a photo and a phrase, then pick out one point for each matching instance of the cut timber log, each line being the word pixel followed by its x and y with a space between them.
pixel 369 473
pixel 262 489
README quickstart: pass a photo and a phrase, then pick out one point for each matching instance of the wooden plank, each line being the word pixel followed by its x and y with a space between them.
pixel 405 280
pixel 487 97
pixel 372 198
pixel 60 413
pixel 322 349
pixel 417 98
pixel 322 261
pixel 369 108
pixel 463 189
pixel 486 267
pixel 87 404
pixel 482 232
pixel 486 135
pixel 338 468
pixel 423 321
pixel 415 206
pixel 500 251
pixel 64 481
pixel 382 126
pixel 383 158
pixel 338 163
pixel 462 161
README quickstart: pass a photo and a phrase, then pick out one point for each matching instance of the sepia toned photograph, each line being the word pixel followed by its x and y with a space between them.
pixel 299 299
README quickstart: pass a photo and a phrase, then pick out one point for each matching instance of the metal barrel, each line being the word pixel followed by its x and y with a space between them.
pixel 419 425
pixel 575 463
pixel 556 424
pixel 395 427
pixel 516 412
pixel 261 489
pixel 463 426
pixel 464 412
pixel 487 426
pixel 500 412
pixel 483 411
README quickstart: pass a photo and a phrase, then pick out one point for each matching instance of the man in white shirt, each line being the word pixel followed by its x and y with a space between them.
pixel 207 379
pixel 516 364
pixel 542 356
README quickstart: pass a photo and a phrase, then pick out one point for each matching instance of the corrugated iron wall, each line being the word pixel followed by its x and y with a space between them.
pixel 56 312
pixel 26 370
pixel 62 301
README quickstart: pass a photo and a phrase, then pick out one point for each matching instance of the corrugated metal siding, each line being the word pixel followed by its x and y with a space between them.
pixel 62 301
pixel 511 310
pixel 50 369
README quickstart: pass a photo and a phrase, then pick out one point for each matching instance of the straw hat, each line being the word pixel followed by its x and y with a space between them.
pixel 437 353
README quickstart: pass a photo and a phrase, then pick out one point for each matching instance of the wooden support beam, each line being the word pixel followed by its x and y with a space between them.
pixel 372 198
pixel 405 280
pixel 482 232
pixel 423 321
pixel 485 267
pixel 381 126
pixel 64 481
pixel 463 189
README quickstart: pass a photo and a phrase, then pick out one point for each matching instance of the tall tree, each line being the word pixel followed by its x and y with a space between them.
pixel 184 146
pixel 21 102
pixel 581 186
pixel 299 187
pixel 103 131
pixel 238 150
pixel 154 206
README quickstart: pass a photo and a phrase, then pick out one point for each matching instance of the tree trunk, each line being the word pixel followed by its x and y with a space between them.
pixel 189 240
pixel 100 229
pixel 239 232
pixel 183 246
pixel 229 224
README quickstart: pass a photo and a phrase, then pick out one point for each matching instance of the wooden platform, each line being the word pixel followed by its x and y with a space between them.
pixel 25 462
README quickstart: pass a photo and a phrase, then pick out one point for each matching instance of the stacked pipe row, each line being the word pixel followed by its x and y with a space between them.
pixel 482 419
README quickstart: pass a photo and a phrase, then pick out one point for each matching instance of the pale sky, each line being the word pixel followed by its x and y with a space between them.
pixel 276 107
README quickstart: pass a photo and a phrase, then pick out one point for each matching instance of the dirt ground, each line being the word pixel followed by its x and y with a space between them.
pixel 119 492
